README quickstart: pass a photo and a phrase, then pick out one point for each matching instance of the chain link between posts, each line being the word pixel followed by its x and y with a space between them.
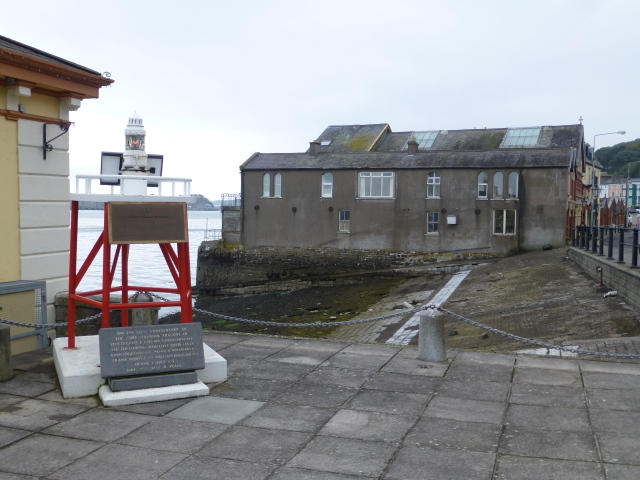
pixel 538 343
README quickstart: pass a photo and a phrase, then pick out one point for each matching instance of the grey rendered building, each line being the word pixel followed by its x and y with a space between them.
pixel 366 187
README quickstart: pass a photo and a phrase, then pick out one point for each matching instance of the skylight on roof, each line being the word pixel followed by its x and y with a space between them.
pixel 521 137
pixel 324 143
pixel 424 139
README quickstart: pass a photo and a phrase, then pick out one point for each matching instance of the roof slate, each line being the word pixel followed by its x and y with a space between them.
pixel 477 148
pixel 18 47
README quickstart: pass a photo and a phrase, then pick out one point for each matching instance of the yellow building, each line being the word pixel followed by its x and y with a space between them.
pixel 37 92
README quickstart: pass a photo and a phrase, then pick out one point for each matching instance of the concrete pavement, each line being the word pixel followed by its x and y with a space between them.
pixel 319 410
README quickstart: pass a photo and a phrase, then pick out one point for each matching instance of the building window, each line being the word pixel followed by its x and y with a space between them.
pixel 343 220
pixel 266 185
pixel 504 222
pixel 521 137
pixel 424 139
pixel 433 185
pixel 498 185
pixel 433 219
pixel 277 185
pixel 483 185
pixel 513 185
pixel 376 185
pixel 327 184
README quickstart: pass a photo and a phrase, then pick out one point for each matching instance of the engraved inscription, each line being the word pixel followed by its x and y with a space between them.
pixel 151 349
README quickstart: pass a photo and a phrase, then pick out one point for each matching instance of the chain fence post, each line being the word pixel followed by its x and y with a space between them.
pixel 6 368
pixel 610 246
pixel 431 337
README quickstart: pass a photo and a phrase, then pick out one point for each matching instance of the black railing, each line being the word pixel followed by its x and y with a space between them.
pixel 594 239
pixel 231 199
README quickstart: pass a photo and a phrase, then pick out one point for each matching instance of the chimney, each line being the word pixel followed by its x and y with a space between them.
pixel 412 145
pixel 314 148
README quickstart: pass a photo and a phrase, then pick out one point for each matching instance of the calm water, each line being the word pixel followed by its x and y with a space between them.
pixel 147 266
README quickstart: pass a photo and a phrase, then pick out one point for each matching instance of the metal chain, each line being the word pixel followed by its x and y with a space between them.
pixel 40 326
pixel 548 346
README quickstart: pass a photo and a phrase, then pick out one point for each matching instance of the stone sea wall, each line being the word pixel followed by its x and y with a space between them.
pixel 236 270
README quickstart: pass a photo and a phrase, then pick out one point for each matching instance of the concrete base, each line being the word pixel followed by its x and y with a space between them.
pixel 147 395
pixel 79 369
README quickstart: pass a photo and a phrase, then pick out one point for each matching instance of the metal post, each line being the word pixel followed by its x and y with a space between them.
pixel 610 246
pixel 431 337
pixel 621 246
pixel 594 238
pixel 601 246
pixel 6 368
pixel 582 237
pixel 634 249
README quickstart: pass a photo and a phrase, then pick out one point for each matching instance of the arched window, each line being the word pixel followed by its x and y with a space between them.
pixel 277 185
pixel 513 185
pixel 266 185
pixel 433 185
pixel 327 185
pixel 498 185
pixel 483 185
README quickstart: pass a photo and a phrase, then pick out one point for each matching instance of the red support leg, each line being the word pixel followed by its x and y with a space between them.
pixel 106 273
pixel 125 284
pixel 73 256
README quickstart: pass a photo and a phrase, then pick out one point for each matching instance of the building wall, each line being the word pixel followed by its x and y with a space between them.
pixel 302 218
pixel 9 210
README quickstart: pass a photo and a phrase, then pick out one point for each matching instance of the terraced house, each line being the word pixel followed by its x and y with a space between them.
pixel 495 190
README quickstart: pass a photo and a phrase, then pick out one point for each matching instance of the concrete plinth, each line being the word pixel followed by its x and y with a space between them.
pixel 79 369
pixel 147 395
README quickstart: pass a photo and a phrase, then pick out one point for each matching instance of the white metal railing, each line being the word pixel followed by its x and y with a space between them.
pixel 179 186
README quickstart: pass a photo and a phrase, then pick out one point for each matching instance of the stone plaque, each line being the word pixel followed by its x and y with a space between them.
pixel 147 222
pixel 127 351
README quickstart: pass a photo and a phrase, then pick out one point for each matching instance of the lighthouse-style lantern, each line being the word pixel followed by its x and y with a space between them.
pixel 134 157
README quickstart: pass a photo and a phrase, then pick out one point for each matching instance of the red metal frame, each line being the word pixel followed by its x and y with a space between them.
pixel 177 262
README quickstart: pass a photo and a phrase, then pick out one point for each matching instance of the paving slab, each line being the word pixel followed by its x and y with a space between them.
pixel 622 472
pixel 41 455
pixel 345 455
pixel 299 474
pixel 339 376
pixel 316 395
pixel 615 421
pixel 401 382
pixel 382 427
pixel 277 371
pixel 474 390
pixel 124 461
pixel 547 363
pixel 227 411
pixel 546 376
pixel 611 381
pixel 290 417
pixel 100 424
pixel 547 395
pixel 466 410
pixel 621 448
pixel 548 418
pixel 274 447
pixel 409 364
pixel 444 433
pixel 614 399
pixel 485 373
pixel 558 444
pixel 357 361
pixel 10 435
pixel 523 468
pixel 413 463
pixel 398 403
pixel 174 435
pixel 204 468
pixel 245 388
pixel 34 415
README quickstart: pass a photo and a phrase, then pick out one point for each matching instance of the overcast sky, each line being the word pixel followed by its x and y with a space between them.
pixel 216 81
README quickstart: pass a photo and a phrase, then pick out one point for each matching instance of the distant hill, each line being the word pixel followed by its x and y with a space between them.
pixel 202 203
pixel 615 159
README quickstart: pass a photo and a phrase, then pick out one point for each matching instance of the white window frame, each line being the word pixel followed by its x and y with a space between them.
pixel 266 185
pixel 433 185
pixel 376 182
pixel 277 185
pixel 501 222
pixel 433 223
pixel 327 185
pixel 498 186
pixel 483 186
pixel 344 221
pixel 513 185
